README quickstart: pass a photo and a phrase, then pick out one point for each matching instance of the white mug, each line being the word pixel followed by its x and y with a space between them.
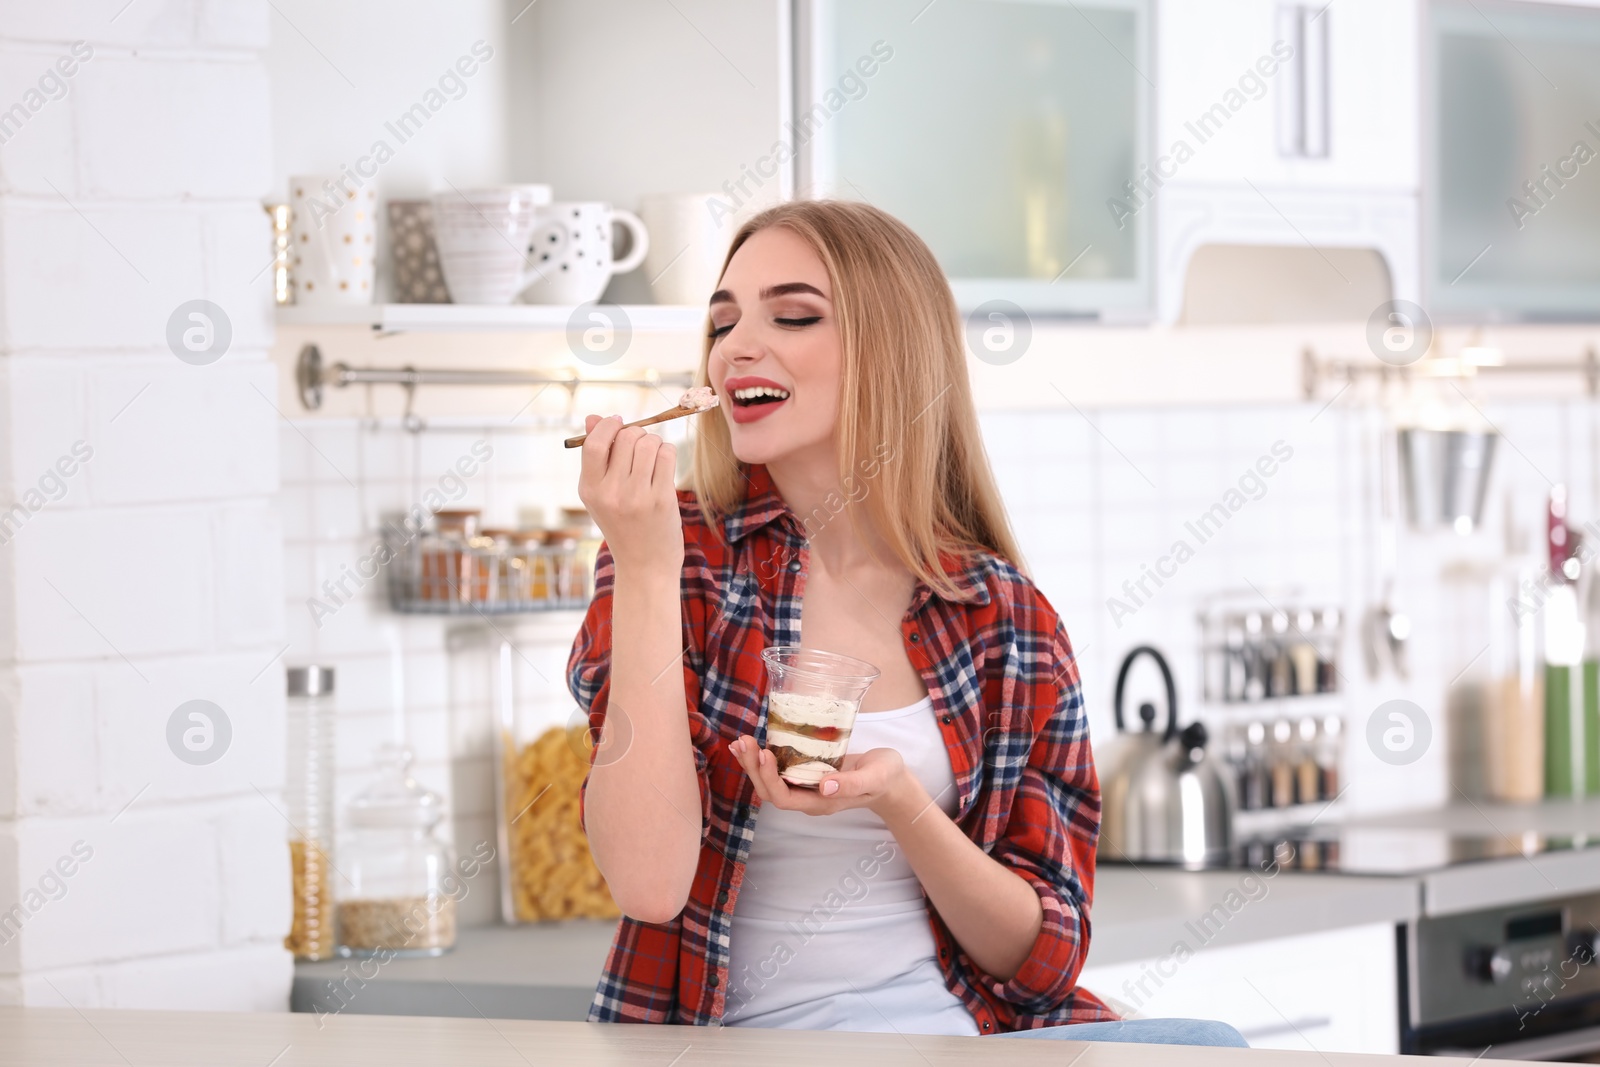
pixel 686 246
pixel 482 236
pixel 332 231
pixel 569 255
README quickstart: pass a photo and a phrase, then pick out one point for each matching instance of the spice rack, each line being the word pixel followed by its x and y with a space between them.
pixel 1258 651
pixel 462 572
pixel 1269 663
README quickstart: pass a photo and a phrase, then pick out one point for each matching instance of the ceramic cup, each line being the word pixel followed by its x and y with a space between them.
pixel 686 246
pixel 811 709
pixel 483 236
pixel 414 272
pixel 570 254
pixel 333 233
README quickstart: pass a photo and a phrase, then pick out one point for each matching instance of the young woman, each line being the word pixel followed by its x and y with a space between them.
pixel 941 881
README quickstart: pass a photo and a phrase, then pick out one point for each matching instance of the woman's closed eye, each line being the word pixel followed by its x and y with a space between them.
pixel 793 323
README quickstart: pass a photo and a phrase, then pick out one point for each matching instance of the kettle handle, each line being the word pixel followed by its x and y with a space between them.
pixel 1172 692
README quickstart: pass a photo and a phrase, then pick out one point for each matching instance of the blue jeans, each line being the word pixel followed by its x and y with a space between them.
pixel 1143 1032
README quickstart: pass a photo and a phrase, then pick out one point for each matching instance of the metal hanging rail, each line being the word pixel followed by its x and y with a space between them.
pixel 1313 372
pixel 312 375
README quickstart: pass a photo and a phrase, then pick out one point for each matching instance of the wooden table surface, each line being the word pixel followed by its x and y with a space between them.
pixel 64 1037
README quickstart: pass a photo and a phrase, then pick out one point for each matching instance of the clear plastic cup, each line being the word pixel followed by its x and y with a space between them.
pixel 811 709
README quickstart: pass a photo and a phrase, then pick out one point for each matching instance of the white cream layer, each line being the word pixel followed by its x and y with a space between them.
pixel 802 709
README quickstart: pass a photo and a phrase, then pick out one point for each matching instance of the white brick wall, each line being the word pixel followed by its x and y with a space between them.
pixel 153 573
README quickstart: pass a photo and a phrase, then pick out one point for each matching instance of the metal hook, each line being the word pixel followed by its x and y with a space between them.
pixel 410 420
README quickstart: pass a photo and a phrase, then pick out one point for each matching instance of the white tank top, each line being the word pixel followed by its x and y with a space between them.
pixel 830 931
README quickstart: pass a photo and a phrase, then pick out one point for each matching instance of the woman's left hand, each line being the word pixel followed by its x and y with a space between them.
pixel 874 779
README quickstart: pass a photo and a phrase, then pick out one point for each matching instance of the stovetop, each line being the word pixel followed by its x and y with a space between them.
pixel 1375 850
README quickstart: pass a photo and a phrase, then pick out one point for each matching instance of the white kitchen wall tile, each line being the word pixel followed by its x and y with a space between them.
pixel 297 571
pixel 336 514
pixel 41 151
pixel 106 278
pixel 167 431
pixel 1191 431
pixel 252 840
pixel 46 417
pixel 1126 481
pixel 1134 432
pixel 335 457
pixel 247 978
pixel 238 248
pixel 178 911
pixel 129 149
pixel 294 512
pixel 294 456
pixel 168 23
pixel 384 453
pixel 232 24
pixel 250 586
pixel 90 583
pixel 52 719
pixel 134 716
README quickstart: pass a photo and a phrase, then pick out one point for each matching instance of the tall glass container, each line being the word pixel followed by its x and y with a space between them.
pixel 1495 704
pixel 308 794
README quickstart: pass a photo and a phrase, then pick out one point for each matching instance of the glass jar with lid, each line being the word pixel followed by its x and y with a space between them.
pixel 396 897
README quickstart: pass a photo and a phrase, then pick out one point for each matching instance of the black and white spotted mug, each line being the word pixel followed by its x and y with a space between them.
pixel 569 254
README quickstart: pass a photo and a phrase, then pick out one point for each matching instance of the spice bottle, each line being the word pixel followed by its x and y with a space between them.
pixel 308 795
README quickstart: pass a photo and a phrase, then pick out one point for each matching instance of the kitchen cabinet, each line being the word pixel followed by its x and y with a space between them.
pixel 1512 217
pixel 1333 991
pixel 1283 124
pixel 999 131
pixel 1226 89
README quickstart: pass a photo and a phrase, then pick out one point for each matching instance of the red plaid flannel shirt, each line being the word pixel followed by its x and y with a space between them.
pixel 1005 688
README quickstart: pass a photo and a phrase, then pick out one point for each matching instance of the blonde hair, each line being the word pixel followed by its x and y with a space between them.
pixel 904 387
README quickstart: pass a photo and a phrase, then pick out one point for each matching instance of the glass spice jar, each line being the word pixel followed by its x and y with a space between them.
pixel 308 796
pixel 395 899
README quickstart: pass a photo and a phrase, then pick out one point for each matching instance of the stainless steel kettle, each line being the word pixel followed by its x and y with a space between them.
pixel 1163 798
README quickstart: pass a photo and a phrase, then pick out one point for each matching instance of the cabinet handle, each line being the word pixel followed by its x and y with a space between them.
pixel 1303 91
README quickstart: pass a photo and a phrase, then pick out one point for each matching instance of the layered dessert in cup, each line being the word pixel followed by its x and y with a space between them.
pixel 811 709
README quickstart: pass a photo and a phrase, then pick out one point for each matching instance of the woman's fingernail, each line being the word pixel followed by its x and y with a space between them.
pixel 830 787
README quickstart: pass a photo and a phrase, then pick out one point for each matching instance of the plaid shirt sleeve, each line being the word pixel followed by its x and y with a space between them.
pixel 1049 838
pixel 589 679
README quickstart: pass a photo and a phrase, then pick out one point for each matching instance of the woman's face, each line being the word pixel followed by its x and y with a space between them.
pixel 775 355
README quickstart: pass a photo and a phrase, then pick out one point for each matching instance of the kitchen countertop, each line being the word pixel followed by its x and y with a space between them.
pixel 95 1038
pixel 1139 912
pixel 1498 882
pixel 549 970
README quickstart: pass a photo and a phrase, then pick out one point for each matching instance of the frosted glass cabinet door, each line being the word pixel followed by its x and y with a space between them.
pixel 1005 132
pixel 1515 216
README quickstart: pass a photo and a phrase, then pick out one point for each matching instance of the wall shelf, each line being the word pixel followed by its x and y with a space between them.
pixel 485 318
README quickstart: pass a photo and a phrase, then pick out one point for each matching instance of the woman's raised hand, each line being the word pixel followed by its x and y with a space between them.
pixel 627 485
